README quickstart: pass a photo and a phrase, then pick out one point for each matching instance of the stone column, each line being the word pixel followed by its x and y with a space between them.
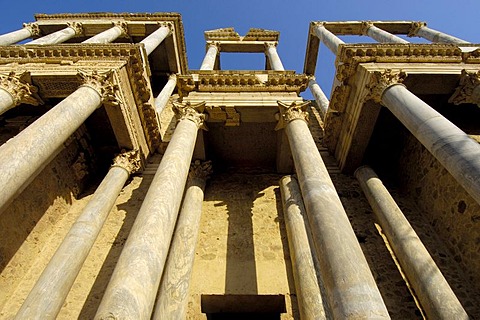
pixel 431 288
pixel 454 149
pixel 306 282
pixel 351 290
pixel 50 291
pixel 73 29
pixel 120 28
pixel 162 98
pixel 272 55
pixel 155 38
pixel 420 29
pixel 172 298
pixel 211 56
pixel 25 155
pixel 29 30
pixel 329 39
pixel 134 283
pixel 369 29
pixel 319 95
pixel 468 90
pixel 15 88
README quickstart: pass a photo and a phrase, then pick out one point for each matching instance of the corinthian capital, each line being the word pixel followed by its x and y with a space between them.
pixel 365 26
pixel 200 170
pixel 123 26
pixel 290 112
pixel 416 26
pixel 381 81
pixel 77 26
pixel 468 90
pixel 33 28
pixel 103 83
pixel 128 160
pixel 17 84
pixel 191 112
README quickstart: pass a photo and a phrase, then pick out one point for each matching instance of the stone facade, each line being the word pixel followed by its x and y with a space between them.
pixel 137 188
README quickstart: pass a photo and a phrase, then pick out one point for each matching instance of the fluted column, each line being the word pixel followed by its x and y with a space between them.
pixel 306 282
pixel 454 149
pixel 468 90
pixel 420 29
pixel 156 38
pixel 173 294
pixel 273 57
pixel 210 57
pixel 29 30
pixel 319 95
pixel 164 95
pixel 435 295
pixel 73 29
pixel 109 35
pixel 15 88
pixel 369 29
pixel 351 290
pixel 134 283
pixel 329 39
pixel 25 155
pixel 51 289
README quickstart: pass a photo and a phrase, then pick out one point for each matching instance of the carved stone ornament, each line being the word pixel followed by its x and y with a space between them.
pixel 169 25
pixel 33 28
pixel 128 160
pixel 416 26
pixel 191 112
pixel 365 26
pixel 102 82
pixel 18 86
pixel 381 81
pixel 77 26
pixel 215 44
pixel 200 170
pixel 468 90
pixel 291 112
pixel 270 44
pixel 123 26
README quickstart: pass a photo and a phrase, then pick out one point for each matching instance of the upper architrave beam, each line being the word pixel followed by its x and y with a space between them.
pixel 231 41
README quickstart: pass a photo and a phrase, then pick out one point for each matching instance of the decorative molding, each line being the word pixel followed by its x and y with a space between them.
pixel 17 84
pixel 77 27
pixel 102 83
pixel 365 26
pixel 200 170
pixel 468 90
pixel 128 160
pixel 123 26
pixel 33 28
pixel 416 26
pixel 290 112
pixel 194 113
pixel 381 81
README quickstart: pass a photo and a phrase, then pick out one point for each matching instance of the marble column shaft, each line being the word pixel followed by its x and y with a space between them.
pixel 273 57
pixel 454 149
pixel 320 97
pixel 162 99
pixel 349 284
pixel 58 36
pixel 306 283
pixel 13 37
pixel 51 289
pixel 107 36
pixel 173 296
pixel 381 35
pixel 6 101
pixel 156 38
pixel 435 295
pixel 26 154
pixel 134 283
pixel 210 57
pixel 437 36
pixel 329 39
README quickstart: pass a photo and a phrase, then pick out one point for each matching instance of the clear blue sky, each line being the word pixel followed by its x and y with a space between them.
pixel 291 18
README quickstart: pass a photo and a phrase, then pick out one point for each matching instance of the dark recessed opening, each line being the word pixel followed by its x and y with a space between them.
pixel 232 307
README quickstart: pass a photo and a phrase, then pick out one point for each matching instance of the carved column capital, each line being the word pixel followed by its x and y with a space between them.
pixel 17 84
pixel 172 76
pixel 365 26
pixel 270 44
pixel 77 27
pixel 123 26
pixel 33 28
pixel 200 170
pixel 128 160
pixel 215 44
pixel 381 81
pixel 169 25
pixel 191 112
pixel 468 90
pixel 102 83
pixel 291 112
pixel 416 26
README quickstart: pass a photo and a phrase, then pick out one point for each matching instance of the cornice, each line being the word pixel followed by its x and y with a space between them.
pixel 109 15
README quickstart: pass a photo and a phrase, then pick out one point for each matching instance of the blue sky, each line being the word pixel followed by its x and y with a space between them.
pixel 291 18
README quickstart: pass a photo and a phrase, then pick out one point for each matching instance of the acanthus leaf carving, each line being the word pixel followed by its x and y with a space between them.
pixel 33 28
pixel 290 112
pixel 194 113
pixel 123 26
pixel 77 27
pixel 468 90
pixel 103 84
pixel 381 81
pixel 17 84
pixel 128 160
pixel 416 26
